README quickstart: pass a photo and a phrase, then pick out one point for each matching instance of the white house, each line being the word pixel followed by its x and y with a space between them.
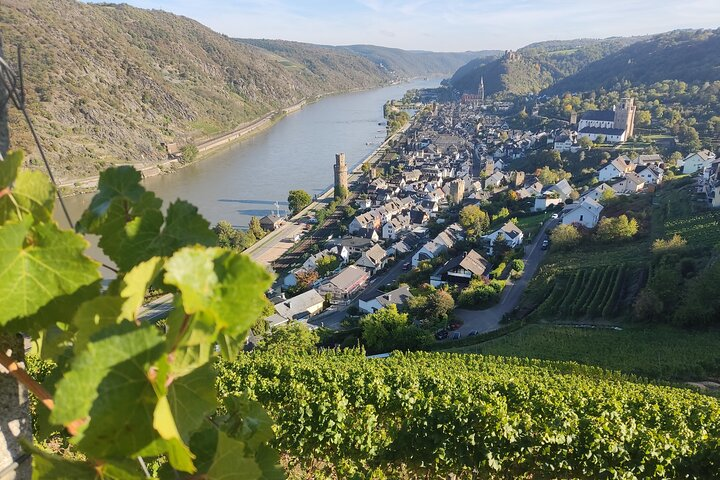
pixel 371 304
pixel 697 161
pixel 544 202
pixel 439 245
pixel 597 192
pixel 346 283
pixel 586 213
pixel 395 226
pixel 651 174
pixel 615 169
pixel 510 232
pixel 630 183
pixel 460 270
pixel 562 188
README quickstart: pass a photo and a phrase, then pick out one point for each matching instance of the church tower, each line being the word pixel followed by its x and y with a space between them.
pixel 481 90
pixel 625 116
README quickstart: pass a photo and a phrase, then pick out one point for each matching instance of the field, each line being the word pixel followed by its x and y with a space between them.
pixel 658 352
pixel 700 230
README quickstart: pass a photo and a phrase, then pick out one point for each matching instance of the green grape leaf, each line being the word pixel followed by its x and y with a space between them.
pixel 108 389
pixel 9 167
pixel 246 420
pixel 196 345
pixel 164 422
pixel 269 462
pixel 93 316
pixel 184 226
pixel 136 283
pixel 229 298
pixel 191 398
pixel 115 183
pixel 39 263
pixel 47 465
pixel 221 457
pixel 32 193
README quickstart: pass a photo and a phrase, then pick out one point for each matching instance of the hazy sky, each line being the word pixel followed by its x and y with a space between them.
pixel 441 25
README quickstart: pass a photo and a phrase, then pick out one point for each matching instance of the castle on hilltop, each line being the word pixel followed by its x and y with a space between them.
pixel 617 125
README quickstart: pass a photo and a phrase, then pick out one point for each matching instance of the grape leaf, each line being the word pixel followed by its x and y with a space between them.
pixel 32 193
pixel 39 263
pixel 9 167
pixel 93 316
pixel 109 377
pixel 46 465
pixel 230 297
pixel 246 420
pixel 164 422
pixel 136 283
pixel 115 183
pixel 221 457
pixel 184 226
pixel 192 398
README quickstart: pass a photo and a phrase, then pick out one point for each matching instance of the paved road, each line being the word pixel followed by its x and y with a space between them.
pixel 333 317
pixel 488 320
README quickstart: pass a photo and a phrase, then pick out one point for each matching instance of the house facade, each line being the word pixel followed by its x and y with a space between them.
pixel 586 213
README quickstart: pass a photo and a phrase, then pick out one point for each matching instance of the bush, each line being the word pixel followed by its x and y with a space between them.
pixel 565 237
pixel 675 243
pixel 518 265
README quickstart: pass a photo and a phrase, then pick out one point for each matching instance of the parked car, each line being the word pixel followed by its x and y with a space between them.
pixel 454 325
pixel 473 333
pixel 406 266
pixel 456 335
pixel 554 216
pixel 545 245
pixel 441 334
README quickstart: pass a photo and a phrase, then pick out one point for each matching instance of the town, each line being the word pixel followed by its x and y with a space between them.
pixel 449 222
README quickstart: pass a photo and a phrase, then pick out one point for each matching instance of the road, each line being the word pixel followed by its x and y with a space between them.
pixel 332 318
pixel 489 319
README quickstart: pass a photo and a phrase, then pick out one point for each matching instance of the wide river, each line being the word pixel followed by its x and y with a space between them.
pixel 247 178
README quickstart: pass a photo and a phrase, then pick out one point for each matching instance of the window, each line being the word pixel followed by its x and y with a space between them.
pixel 581 218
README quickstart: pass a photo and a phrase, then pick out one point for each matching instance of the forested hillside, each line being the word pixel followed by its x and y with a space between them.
pixel 686 55
pixel 536 66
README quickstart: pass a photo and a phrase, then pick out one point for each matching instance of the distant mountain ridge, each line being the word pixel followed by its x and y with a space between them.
pixel 109 83
pixel 537 66
pixel 685 55
pixel 393 61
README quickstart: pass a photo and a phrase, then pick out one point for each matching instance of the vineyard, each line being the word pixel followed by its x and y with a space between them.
pixel 658 352
pixel 422 415
pixel 700 230
pixel 594 292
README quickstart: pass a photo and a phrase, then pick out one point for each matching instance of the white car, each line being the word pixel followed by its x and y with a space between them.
pixel 554 216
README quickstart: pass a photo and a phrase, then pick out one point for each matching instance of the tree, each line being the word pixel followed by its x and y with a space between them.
pixel 327 264
pixel 297 200
pixel 607 196
pixel 689 136
pixel 585 143
pixel 304 280
pixel 564 237
pixel 387 330
pixel 341 192
pixel 618 228
pixel 600 139
pixel 261 325
pixel 675 158
pixel 661 246
pixel 293 337
pixel 643 118
pixel 255 229
pixel 474 220
pixel 189 153
pixel 365 167
pixel 227 235
pixel 439 305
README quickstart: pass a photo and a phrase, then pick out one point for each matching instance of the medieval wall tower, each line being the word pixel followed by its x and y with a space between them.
pixel 341 173
pixel 625 116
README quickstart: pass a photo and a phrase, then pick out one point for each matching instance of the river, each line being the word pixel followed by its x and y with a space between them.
pixel 248 177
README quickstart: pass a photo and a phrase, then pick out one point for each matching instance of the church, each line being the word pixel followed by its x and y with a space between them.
pixel 616 125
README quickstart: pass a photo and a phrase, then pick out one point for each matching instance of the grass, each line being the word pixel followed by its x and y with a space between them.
pixel 530 225
pixel 658 352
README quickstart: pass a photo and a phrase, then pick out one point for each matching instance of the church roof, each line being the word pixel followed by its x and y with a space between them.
pixel 599 115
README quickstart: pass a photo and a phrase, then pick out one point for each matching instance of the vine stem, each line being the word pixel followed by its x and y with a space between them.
pixel 15 370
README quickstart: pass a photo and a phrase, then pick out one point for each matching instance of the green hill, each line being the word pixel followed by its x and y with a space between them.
pixel 686 55
pixel 536 66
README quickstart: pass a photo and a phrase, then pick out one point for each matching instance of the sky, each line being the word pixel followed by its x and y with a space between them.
pixel 441 25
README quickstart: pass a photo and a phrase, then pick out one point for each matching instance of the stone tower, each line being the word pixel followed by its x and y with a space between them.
pixel 481 89
pixel 625 116
pixel 457 191
pixel 341 173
